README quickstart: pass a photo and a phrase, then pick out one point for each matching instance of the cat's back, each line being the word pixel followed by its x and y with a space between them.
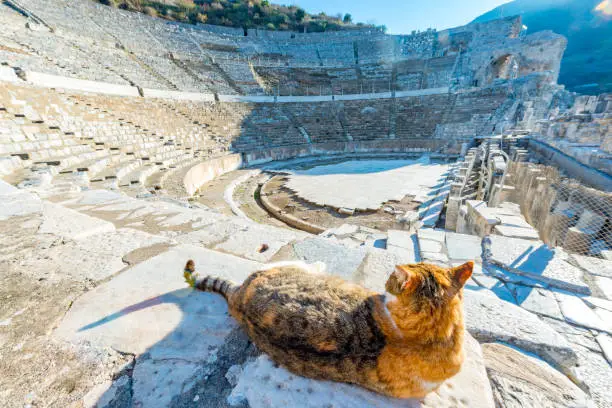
pixel 291 309
pixel 293 290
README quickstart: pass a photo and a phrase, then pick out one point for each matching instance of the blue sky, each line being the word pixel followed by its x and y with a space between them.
pixel 403 16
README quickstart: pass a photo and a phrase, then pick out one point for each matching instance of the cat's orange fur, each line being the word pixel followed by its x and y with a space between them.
pixel 426 347
pixel 403 344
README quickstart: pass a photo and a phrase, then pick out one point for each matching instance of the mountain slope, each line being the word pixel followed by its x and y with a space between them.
pixel 587 63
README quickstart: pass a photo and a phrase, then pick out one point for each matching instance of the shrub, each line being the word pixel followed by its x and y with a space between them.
pixel 239 13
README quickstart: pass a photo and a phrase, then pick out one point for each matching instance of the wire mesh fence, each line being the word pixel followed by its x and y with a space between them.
pixel 565 212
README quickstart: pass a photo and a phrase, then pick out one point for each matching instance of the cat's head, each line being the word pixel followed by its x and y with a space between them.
pixel 425 284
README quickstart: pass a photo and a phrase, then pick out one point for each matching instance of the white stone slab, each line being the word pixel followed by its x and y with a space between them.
pixel 71 224
pixel 343 184
pixel 340 260
pixel 247 243
pixel 520 380
pixel 377 267
pixel 577 312
pixel 605 286
pixel 594 266
pixel 426 245
pixel 55 81
pixel 92 258
pixel 19 203
pixel 7 74
pixel 517 232
pixel 149 308
pixel 605 342
pixel 404 255
pixel 435 258
pixel 490 319
pixel 156 382
pixel 463 247
pixel 538 261
pixel 401 239
pixel 262 385
pixel 597 302
pixel 432 234
pixel 96 197
pixel 215 233
pixel 6 188
pixel 495 285
pixel 537 300
pixel 595 372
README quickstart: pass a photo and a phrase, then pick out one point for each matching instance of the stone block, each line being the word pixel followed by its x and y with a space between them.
pixel 537 261
pixel 452 213
pixel 577 312
pixel 462 247
pixel 537 300
pixel 149 308
pixel 595 266
pixel 71 224
pixel 490 319
pixel 262 384
pixel 340 260
pixel 18 204
pixel 401 239
pixel 521 380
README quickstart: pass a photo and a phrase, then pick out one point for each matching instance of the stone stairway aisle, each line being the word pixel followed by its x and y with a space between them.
pixel 296 124
pixel 181 65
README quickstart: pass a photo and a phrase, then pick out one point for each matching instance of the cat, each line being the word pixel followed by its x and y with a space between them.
pixel 402 344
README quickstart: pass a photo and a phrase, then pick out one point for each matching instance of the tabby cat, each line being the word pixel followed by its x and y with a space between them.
pixel 403 343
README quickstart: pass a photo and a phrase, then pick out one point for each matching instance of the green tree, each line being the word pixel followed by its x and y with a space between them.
pixel 299 15
pixel 348 19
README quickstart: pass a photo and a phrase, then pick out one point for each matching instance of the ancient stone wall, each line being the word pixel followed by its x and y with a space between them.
pixel 132 49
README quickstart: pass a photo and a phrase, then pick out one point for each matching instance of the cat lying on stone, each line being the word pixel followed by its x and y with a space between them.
pixel 403 343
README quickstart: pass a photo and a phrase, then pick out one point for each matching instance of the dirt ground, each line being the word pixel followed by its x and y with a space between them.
pixel 38 371
pixel 327 217
pixel 246 196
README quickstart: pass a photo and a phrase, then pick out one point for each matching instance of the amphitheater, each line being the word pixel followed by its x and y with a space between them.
pixel 129 144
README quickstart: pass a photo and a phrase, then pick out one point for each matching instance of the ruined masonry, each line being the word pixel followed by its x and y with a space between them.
pixel 130 144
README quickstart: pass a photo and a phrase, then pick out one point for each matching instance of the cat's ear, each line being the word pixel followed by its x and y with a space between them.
pixel 408 281
pixel 462 273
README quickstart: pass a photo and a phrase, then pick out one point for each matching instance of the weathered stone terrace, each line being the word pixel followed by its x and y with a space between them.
pixel 123 47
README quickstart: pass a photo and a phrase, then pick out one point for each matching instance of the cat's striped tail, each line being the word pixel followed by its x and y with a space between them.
pixel 222 286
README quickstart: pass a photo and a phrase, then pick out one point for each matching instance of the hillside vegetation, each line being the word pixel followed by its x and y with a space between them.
pixel 587 25
pixel 241 14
